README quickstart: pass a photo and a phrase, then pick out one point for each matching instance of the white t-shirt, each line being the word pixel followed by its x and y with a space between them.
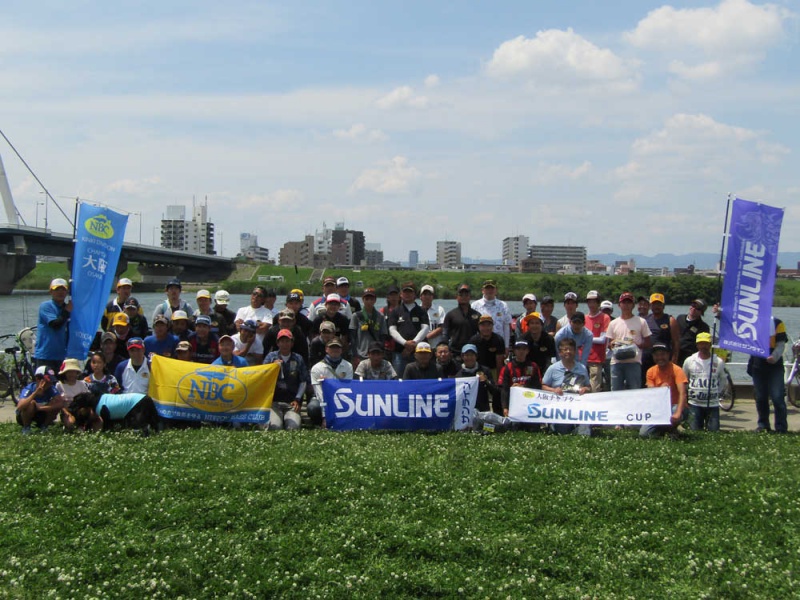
pixel 70 391
pixel 628 331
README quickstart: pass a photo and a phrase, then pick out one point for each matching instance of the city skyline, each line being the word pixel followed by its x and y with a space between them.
pixel 617 127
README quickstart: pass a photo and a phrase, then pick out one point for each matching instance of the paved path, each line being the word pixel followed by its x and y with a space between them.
pixel 741 418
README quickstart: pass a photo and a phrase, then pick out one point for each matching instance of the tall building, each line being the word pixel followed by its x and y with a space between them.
pixel 354 254
pixel 248 243
pixel 515 249
pixel 560 258
pixel 373 255
pixel 299 254
pixel 448 254
pixel 323 240
pixel 195 236
pixel 413 258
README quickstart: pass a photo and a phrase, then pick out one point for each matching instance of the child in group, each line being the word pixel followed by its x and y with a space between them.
pixel 69 386
pixel 100 381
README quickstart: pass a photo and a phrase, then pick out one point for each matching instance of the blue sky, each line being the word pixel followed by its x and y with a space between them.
pixel 619 126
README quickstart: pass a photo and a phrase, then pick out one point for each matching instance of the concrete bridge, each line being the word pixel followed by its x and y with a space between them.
pixel 20 245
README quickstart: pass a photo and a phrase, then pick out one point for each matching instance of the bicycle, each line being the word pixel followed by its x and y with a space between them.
pixel 17 369
pixel 727 396
pixel 793 379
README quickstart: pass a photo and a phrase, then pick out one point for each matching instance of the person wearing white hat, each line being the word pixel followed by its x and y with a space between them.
pixel 70 385
pixel 436 316
pixel 226 317
pixel 117 303
pixel 51 333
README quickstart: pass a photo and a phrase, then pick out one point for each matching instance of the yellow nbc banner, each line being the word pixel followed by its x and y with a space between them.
pixel 197 392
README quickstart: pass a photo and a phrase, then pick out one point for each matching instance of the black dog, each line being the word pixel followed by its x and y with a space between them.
pixel 136 411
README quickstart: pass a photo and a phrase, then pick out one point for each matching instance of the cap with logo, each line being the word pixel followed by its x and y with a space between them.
pixel 521 344
pixel 286 315
pixel 659 347
pixel 532 316
pixel 180 315
pixel 299 292
pixel 530 297
pixel 222 297
pixel 132 303
pixel 703 337
pixel 369 292
pixel 327 326
pixel 485 319
pixel 183 346
pixel 426 288
pixel 136 342
pixel 203 320
pixel 203 294
pixel 606 305
pixel 333 298
pixel 285 333
pixel 592 295
pixel 489 283
pixel 699 304
pixel 570 296
pixel 124 281
pixel 248 325
pixel 58 282
pixel 657 298
pixel 161 319
pixel 423 347
pixel 625 296
pixel 293 296
pixel 120 319
pixel 329 281
pixel 342 281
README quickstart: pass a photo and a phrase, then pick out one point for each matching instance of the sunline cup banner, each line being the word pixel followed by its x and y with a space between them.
pixel 648 406
pixel 419 405
pixel 98 244
pixel 198 392
pixel 750 270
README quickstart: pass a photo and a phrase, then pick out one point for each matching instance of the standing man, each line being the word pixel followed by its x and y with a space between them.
pixel 343 289
pixel 626 336
pixel 664 329
pixel 529 304
pixel 498 310
pixel 226 317
pixel 173 301
pixel 435 316
pixel 53 327
pixel 548 320
pixel 461 323
pixel 367 326
pixel 570 306
pixel 704 402
pixel 117 304
pixel 643 306
pixel 597 323
pixel 689 325
pixel 408 325
pixel 582 336
pixel 768 383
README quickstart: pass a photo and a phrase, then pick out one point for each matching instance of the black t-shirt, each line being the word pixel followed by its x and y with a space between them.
pixel 408 322
pixel 488 350
pixel 459 327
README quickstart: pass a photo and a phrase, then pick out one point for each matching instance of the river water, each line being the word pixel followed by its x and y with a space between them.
pixel 18 311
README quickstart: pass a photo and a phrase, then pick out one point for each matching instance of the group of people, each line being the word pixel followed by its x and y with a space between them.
pixel 344 337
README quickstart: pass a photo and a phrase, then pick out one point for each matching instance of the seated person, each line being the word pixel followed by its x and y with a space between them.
pixel 133 375
pixel 247 344
pixel 183 351
pixel 226 356
pixel 70 384
pixel 39 401
pixel 162 342
pixel 423 367
pixel 376 367
pixel 180 325
pixel 567 376
pixel 99 379
pixel 291 385
pixel 205 345
pixel 332 366
pixel 518 372
pixel 444 358
pixel 665 373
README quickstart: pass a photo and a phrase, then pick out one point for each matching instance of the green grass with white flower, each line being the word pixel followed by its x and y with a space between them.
pixel 214 512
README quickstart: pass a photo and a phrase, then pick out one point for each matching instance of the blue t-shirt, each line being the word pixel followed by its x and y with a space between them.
pixel 51 342
pixel 165 347
pixel 49 393
pixel 583 341
pixel 236 361
pixel 118 405
pixel 570 380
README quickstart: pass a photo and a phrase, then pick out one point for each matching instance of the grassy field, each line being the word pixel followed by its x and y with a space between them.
pixel 213 512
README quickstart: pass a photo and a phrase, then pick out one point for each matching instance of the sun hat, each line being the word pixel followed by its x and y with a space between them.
pixel 70 364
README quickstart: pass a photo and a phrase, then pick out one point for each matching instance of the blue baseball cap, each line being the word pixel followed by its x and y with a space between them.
pixel 469 348
pixel 202 320
pixel 249 325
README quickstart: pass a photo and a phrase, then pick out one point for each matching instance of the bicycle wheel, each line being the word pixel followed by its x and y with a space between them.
pixel 6 388
pixel 728 396
pixel 793 390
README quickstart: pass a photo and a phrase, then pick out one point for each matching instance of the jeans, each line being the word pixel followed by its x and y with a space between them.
pixel 399 363
pixel 314 411
pixel 701 418
pixel 281 416
pixel 768 385
pixel 626 376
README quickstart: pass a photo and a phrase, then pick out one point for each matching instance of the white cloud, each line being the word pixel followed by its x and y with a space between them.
pixel 402 96
pixel 708 42
pixel 279 200
pixel 392 177
pixel 431 81
pixel 557 56
pixel 360 133
pixel 132 186
pixel 549 173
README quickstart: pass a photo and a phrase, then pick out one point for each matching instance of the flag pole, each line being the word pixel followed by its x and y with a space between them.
pixel 719 298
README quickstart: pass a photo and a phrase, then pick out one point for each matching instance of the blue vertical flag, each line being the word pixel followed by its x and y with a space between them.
pixel 98 245
pixel 750 265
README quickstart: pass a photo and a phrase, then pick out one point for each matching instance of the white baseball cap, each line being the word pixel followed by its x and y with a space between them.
pixel 529 297
pixel 427 288
pixel 222 297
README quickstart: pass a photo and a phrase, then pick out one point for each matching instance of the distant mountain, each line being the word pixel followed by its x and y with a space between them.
pixel 701 260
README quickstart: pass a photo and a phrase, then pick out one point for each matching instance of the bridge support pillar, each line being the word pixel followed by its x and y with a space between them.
pixel 14 267
pixel 159 273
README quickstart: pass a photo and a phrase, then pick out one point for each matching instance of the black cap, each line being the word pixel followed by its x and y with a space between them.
pixel 659 346
pixel 173 282
pixel 375 347
pixel 578 316
pixel 548 300
pixel 699 304
pixel 392 289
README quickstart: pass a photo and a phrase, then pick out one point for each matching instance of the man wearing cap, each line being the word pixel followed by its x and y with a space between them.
pixel 570 306
pixel 392 300
pixel 285 321
pixel 367 325
pixel 643 306
pixel 529 304
pixel 204 307
pixel 173 302
pixel 664 328
pixel 226 356
pixel 626 336
pixel 665 373
pixel 133 374
pixel 108 348
pixel 424 365
pixel 247 344
pixel 541 345
pixel 329 287
pixel 768 382
pixel 291 385
pixel 294 302
pixel 597 323
pixel 180 326
pixel 162 342
pixel 303 309
pixel 487 389
pixel 39 401
pixel 343 289
pixel 204 343
pixel 436 316
pixel 548 320
pixel 334 315
pixel 120 326
pixel 333 366
pixel 460 323
pixel 689 325
pixel 704 402
pixel 607 307
pixel 491 352
pixel 51 332
pixel 582 336
pixel 226 317
pixel 256 312
pixel 183 351
pixel 136 319
pixel 520 371
pixel 117 304
pixel 316 349
pixel 490 305
pixel 375 367
pixel 408 326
